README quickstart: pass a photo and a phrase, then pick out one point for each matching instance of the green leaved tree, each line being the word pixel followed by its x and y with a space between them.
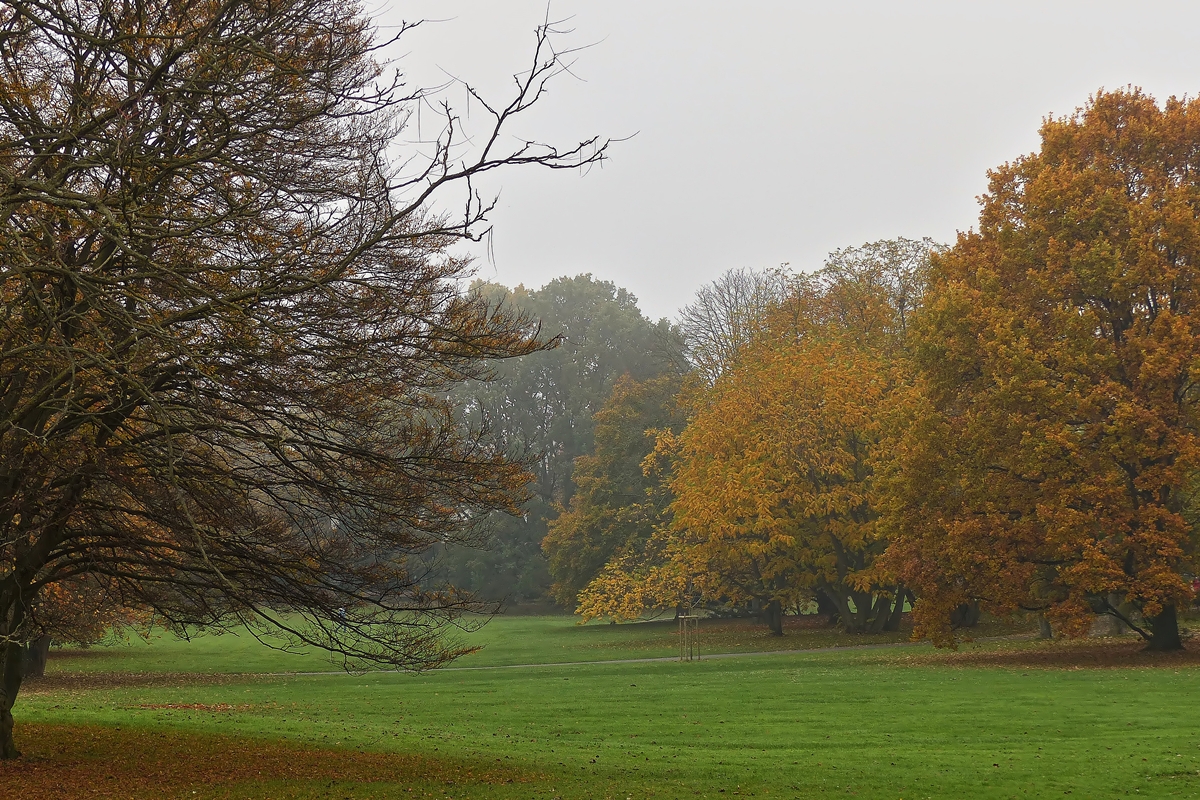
pixel 542 407
pixel 618 502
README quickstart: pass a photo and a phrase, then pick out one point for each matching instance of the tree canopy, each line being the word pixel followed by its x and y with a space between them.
pixel 1053 450
pixel 543 408
pixel 231 325
pixel 771 481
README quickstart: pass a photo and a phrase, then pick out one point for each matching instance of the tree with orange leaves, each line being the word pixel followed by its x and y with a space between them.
pixel 772 483
pixel 773 476
pixel 1054 437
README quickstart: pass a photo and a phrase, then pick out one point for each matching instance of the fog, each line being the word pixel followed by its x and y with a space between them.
pixel 769 132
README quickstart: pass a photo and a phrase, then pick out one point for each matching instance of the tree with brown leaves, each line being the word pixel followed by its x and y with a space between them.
pixel 231 324
pixel 1053 449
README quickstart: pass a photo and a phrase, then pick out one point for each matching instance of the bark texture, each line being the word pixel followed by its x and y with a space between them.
pixel 1164 631
pixel 10 684
pixel 36 654
pixel 773 615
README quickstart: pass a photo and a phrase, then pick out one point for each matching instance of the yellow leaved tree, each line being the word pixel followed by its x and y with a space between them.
pixel 773 475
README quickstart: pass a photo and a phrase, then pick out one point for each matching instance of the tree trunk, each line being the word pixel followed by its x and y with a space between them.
pixel 857 622
pixel 10 683
pixel 773 616
pixel 880 613
pixel 1044 629
pixel 827 608
pixel 845 616
pixel 12 663
pixel 965 616
pixel 1164 631
pixel 36 653
pixel 893 623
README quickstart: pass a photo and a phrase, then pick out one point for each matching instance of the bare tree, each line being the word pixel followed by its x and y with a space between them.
pixel 726 315
pixel 230 323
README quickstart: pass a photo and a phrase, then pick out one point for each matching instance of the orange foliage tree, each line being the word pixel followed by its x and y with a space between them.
pixel 1054 437
pixel 773 476
pixel 772 483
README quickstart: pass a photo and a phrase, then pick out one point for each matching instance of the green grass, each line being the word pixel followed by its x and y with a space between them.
pixel 503 641
pixel 799 726
pixel 868 723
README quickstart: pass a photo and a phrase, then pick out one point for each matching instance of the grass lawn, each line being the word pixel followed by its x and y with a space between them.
pixel 1009 720
pixel 503 641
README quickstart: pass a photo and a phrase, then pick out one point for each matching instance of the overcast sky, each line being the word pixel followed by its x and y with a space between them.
pixel 771 132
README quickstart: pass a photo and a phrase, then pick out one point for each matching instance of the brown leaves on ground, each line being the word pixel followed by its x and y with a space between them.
pixel 86 681
pixel 1084 654
pixel 65 762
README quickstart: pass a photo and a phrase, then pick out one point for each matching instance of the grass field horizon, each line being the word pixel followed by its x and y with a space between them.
pixel 504 640
pixel 1012 718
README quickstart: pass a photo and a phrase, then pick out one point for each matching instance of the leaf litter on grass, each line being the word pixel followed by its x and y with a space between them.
pixel 87 681
pixel 1110 653
pixel 64 762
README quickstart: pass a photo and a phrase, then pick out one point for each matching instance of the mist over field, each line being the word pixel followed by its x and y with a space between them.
pixel 493 400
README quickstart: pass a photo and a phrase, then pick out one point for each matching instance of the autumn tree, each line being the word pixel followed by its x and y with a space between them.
pixel 618 502
pixel 773 475
pixel 1053 443
pixel 81 610
pixel 892 270
pixel 660 573
pixel 231 324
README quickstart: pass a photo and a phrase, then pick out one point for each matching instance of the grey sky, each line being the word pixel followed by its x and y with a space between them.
pixel 772 132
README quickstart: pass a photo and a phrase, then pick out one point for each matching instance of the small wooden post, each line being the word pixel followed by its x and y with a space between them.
pixel 689 637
